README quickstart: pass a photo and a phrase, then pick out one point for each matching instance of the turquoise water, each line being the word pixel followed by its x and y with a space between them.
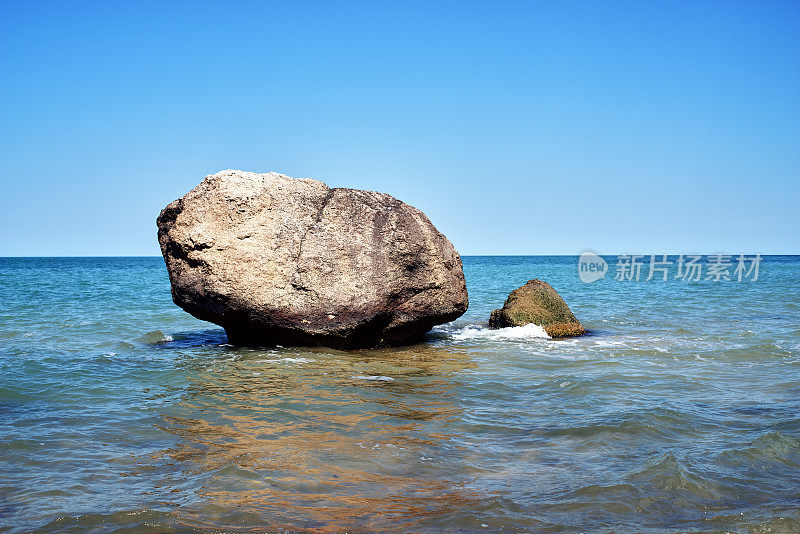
pixel 680 412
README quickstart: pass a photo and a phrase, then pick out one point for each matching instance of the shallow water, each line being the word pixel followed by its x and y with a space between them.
pixel 680 412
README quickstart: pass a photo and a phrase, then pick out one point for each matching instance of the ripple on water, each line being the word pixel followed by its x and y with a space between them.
pixel 770 447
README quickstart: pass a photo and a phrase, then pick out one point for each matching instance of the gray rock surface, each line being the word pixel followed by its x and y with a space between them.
pixel 274 259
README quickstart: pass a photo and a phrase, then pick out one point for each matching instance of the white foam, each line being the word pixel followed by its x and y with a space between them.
pixel 285 360
pixel 529 331
pixel 608 343
pixel 374 377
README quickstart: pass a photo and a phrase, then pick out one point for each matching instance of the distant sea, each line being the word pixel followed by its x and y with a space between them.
pixel 679 412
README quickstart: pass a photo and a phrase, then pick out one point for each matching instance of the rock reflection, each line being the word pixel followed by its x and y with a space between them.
pixel 321 441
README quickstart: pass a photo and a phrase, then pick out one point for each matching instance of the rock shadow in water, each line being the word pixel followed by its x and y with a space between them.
pixel 201 338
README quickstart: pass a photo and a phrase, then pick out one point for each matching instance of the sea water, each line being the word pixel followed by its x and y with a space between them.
pixel 679 412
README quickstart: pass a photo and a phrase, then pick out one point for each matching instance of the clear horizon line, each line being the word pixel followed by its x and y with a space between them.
pixel 462 255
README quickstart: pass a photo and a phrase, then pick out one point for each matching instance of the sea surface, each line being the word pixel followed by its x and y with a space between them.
pixel 680 412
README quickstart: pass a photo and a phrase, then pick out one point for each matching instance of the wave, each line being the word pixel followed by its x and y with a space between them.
pixel 770 447
pixel 373 377
pixel 661 422
pixel 513 333
pixel 155 337
pixel 213 337
pixel 286 360
pixel 668 473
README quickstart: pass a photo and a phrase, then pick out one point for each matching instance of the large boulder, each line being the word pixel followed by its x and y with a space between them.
pixel 538 303
pixel 278 260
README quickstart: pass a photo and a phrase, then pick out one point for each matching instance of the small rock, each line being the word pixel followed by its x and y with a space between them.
pixel 538 303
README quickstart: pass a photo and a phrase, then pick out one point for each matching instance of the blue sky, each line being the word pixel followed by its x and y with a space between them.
pixel 518 127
